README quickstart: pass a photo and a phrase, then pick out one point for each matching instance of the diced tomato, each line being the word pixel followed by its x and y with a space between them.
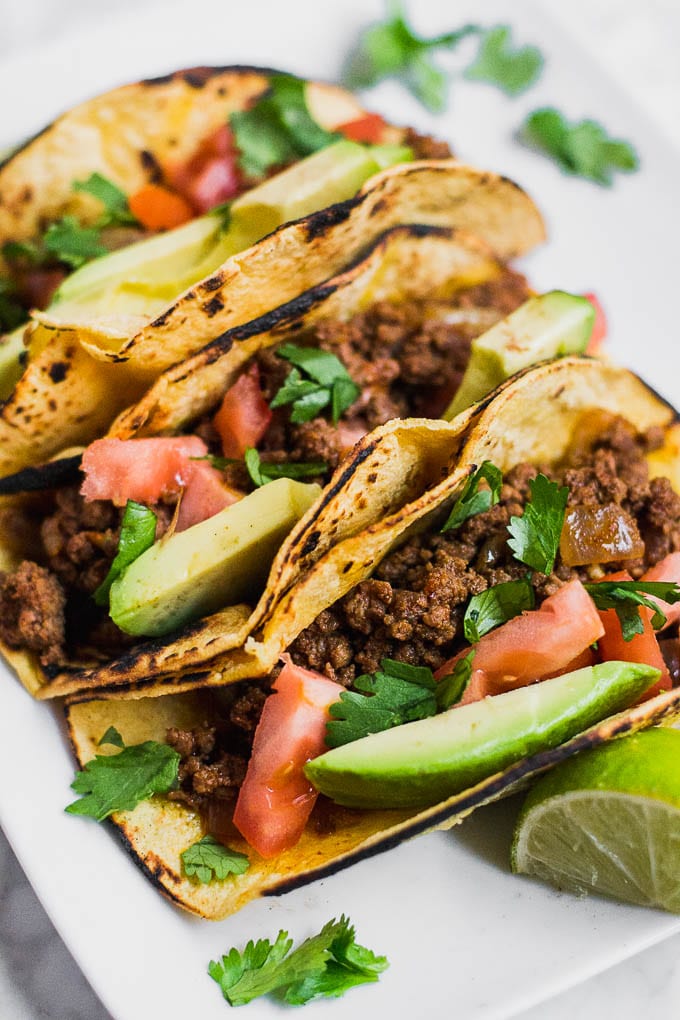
pixel 158 208
pixel 537 644
pixel 276 799
pixel 586 658
pixel 368 128
pixel 599 326
pixel 204 496
pixel 641 648
pixel 244 416
pixel 144 470
pixel 668 569
pixel 211 175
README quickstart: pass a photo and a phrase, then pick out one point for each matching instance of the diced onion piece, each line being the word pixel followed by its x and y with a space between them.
pixel 599 534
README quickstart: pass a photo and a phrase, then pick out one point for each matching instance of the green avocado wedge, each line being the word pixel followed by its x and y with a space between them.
pixel 547 326
pixel 217 563
pixel 422 763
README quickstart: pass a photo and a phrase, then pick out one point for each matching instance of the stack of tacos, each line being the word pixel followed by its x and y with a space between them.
pixel 254 491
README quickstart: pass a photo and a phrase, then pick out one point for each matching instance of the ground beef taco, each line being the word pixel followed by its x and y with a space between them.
pixel 481 598
pixel 308 177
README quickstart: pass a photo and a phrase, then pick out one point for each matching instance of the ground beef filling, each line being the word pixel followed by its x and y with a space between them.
pixel 412 608
pixel 394 353
pixel 48 606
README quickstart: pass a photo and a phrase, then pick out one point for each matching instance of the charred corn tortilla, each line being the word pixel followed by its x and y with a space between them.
pixel 406 263
pixel 510 429
pixel 296 257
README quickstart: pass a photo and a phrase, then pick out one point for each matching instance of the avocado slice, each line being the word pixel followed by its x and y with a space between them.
pixel 144 277
pixel 213 564
pixel 547 326
pixel 422 763
pixel 11 369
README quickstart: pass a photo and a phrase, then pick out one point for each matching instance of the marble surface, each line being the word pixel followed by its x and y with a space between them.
pixel 638 43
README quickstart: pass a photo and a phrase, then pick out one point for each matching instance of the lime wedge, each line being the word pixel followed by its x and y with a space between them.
pixel 608 821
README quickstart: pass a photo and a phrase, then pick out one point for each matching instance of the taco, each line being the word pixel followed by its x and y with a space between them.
pixel 137 311
pixel 400 317
pixel 385 622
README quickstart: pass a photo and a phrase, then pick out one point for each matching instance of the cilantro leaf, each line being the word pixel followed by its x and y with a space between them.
pixel 451 688
pixel 278 129
pixel 12 312
pixel 392 48
pixel 581 148
pixel 113 199
pixel 474 500
pixel 495 606
pixel 118 782
pixel 262 472
pixel 329 382
pixel 535 537
pixel 208 859
pixel 71 243
pixel 397 693
pixel 137 534
pixel 113 737
pixel 626 596
pixel 512 70
pixel 21 251
pixel 325 965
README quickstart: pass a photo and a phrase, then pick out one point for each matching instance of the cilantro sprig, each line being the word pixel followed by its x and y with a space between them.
pixel 114 201
pixel 323 966
pixel 392 48
pixel 72 243
pixel 137 534
pixel 397 693
pixel 261 471
pixel 625 598
pixel 511 69
pixel 119 782
pixel 208 860
pixel 475 499
pixel 582 148
pixel 317 379
pixel 278 129
pixel 496 606
pixel 535 536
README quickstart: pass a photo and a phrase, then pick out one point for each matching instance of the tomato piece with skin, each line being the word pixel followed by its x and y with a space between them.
pixel 276 798
pixel 211 176
pixel 641 648
pixel 533 646
pixel 204 496
pixel 368 128
pixel 600 329
pixel 244 415
pixel 144 470
pixel 667 569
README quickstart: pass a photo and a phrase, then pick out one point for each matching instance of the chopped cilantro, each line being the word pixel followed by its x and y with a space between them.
pixel 137 534
pixel 113 199
pixel 512 70
pixel 323 966
pixel 329 382
pixel 397 693
pixel 21 251
pixel 582 148
pixel 278 129
pixel 71 243
pixel 535 537
pixel 626 596
pixel 208 859
pixel 473 499
pixel 113 737
pixel 118 782
pixel 495 606
pixel 451 688
pixel 261 471
pixel 392 48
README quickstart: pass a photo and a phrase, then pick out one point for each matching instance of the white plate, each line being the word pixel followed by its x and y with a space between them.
pixel 460 933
